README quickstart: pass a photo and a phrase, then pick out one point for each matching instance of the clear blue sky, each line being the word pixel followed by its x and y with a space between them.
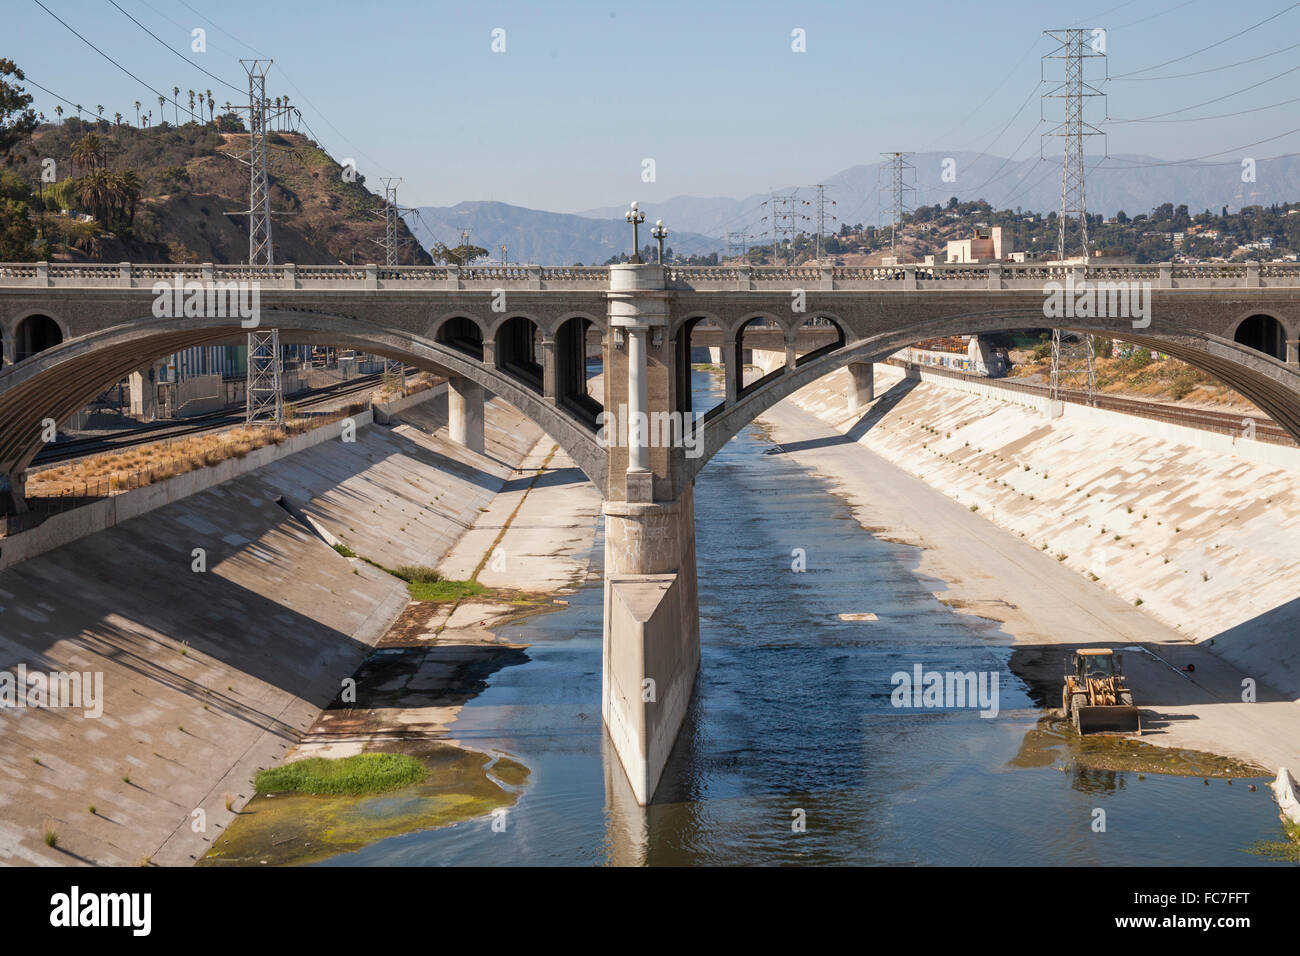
pixel 710 90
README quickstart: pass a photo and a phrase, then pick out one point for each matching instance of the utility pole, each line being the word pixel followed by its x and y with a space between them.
pixel 784 215
pixel 1074 46
pixel 264 393
pixel 898 188
pixel 391 212
pixel 821 218
pixel 738 242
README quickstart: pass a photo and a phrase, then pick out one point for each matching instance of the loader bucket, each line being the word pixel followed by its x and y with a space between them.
pixel 1108 720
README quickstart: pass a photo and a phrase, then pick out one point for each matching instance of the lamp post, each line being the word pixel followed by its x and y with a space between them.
pixel 660 233
pixel 635 216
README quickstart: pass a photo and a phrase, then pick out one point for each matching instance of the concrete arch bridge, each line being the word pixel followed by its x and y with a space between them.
pixel 526 333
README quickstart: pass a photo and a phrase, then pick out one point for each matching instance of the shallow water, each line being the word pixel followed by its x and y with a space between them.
pixel 792 720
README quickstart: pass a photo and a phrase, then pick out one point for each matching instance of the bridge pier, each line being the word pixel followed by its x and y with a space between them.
pixel 465 413
pixel 862 388
pixel 652 631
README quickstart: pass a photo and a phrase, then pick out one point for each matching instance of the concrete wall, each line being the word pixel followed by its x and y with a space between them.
pixel 1197 529
pixel 210 676
pixel 69 526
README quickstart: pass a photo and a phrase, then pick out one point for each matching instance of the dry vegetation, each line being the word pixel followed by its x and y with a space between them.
pixel 1139 376
pixel 136 467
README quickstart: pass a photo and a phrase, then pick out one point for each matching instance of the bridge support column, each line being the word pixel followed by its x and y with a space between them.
pixel 652 633
pixel 732 370
pixel 13 485
pixel 550 370
pixel 652 629
pixel 1293 351
pixel 465 413
pixel 862 386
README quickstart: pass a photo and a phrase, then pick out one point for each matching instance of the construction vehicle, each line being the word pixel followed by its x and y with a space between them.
pixel 1096 695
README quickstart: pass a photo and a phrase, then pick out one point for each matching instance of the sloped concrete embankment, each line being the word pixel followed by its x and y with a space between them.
pixel 1201 533
pixel 209 676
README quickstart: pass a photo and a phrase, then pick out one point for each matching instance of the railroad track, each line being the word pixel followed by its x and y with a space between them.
pixel 214 421
pixel 1226 423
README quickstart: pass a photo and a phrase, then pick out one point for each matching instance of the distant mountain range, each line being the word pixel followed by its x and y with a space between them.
pixel 545 238
pixel 699 225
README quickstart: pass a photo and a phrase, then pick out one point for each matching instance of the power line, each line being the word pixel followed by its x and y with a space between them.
pixel 175 52
pixel 1188 56
pixel 105 55
pixel 1217 99
pixel 1215 69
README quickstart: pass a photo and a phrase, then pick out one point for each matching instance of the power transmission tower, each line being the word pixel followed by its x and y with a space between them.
pixel 1074 47
pixel 391 214
pixel 738 241
pixel 784 217
pixel 263 393
pixel 821 218
pixel 898 188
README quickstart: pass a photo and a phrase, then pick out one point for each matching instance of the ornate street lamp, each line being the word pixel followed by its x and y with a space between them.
pixel 635 216
pixel 660 233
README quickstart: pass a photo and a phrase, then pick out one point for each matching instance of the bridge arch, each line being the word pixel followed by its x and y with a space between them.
pixel 36 332
pixel 461 332
pixel 1263 332
pixel 1271 384
pixel 814 321
pixel 59 381
pixel 517 351
pixel 571 389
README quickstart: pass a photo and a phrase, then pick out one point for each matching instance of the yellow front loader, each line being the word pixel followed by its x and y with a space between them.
pixel 1096 695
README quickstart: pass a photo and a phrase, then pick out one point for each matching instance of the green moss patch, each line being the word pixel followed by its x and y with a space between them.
pixel 444 590
pixel 351 776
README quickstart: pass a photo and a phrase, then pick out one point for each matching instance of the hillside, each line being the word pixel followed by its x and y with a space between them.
pixel 189 182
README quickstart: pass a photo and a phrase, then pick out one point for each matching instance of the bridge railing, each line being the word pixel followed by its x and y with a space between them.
pixel 907 277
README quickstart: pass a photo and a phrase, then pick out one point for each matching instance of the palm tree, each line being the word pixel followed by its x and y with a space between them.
pixel 211 107
pixel 59 111
pixel 277 112
pixel 162 117
pixel 95 192
pixel 117 119
pixel 88 151
pixel 176 102
pixel 126 192
pixel 137 112
pixel 100 109
pixel 78 111
pixel 191 92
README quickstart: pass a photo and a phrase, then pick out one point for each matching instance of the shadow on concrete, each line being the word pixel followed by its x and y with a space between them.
pixel 881 407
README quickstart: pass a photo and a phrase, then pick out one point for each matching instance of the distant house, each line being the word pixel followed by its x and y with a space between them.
pixel 984 246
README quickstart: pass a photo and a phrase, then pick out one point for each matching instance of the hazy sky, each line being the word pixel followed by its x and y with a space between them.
pixel 711 91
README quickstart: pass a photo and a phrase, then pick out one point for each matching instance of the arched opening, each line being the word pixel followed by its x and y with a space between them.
pixel 1264 334
pixel 517 351
pixel 35 334
pixel 818 335
pixel 463 335
pixel 575 370
pixel 766 353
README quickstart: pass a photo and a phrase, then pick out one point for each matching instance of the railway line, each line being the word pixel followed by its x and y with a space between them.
pixel 215 421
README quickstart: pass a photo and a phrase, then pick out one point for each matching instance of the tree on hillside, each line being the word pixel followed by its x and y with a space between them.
pixel 88 151
pixel 17 119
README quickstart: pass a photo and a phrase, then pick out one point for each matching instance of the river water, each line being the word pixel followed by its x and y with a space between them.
pixel 792 751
